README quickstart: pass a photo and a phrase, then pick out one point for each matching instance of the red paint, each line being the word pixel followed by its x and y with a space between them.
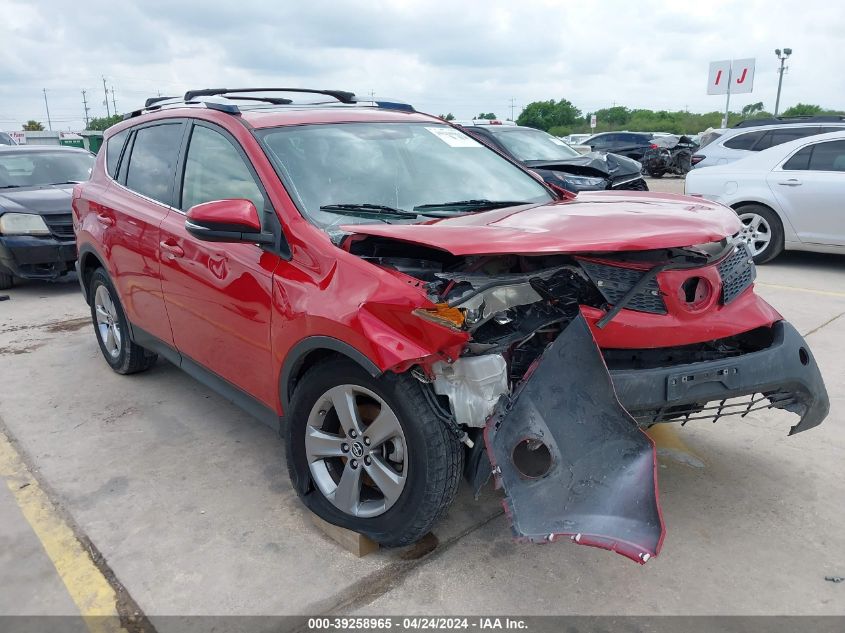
pixel 718 78
pixel 593 221
pixel 742 77
pixel 238 309
pixel 240 213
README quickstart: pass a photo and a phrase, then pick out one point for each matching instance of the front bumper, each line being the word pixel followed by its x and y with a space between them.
pixel 785 374
pixel 31 257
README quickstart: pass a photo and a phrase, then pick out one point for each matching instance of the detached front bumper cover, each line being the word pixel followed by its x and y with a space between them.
pixel 571 459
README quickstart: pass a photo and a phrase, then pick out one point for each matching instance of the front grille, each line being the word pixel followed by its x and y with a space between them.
pixel 60 225
pixel 614 283
pixel 737 273
pixel 716 409
pixel 633 185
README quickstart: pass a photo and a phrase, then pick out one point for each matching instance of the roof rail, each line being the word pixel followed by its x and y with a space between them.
pixel 234 94
pixel 341 95
pixel 786 120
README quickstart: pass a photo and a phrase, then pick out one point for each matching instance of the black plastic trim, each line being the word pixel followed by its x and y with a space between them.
pixel 232 393
pixel 298 352
pixel 776 368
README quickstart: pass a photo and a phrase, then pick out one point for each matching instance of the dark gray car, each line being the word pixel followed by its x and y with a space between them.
pixel 36 227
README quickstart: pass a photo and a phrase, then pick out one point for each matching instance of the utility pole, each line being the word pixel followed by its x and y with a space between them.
pixel 85 108
pixel 782 57
pixel 512 107
pixel 46 105
pixel 112 101
pixel 106 102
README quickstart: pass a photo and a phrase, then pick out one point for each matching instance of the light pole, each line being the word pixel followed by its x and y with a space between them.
pixel 782 56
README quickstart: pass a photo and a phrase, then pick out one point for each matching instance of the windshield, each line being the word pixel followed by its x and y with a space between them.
pixel 31 169
pixel 527 144
pixel 351 173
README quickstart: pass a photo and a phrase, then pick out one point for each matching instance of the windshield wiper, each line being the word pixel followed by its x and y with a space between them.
pixel 474 205
pixel 367 210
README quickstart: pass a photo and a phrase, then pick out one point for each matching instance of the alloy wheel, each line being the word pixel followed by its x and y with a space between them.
pixel 356 451
pixel 756 232
pixel 108 323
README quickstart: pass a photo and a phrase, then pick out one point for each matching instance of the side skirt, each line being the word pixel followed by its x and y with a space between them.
pixel 232 393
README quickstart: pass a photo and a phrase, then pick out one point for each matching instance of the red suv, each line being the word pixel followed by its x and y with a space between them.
pixel 407 305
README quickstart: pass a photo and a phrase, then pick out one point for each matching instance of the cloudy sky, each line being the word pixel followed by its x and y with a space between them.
pixel 459 57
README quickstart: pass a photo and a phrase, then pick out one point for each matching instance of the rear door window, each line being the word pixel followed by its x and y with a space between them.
pixel 829 156
pixel 152 164
pixel 800 160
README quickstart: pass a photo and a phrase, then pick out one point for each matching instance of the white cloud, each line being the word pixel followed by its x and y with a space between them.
pixel 462 57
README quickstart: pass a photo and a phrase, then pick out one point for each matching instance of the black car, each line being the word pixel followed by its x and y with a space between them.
pixel 630 144
pixel 36 227
pixel 556 162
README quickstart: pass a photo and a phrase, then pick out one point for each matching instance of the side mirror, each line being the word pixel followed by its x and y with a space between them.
pixel 227 221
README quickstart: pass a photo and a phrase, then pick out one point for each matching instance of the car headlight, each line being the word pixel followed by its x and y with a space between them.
pixel 23 224
pixel 585 181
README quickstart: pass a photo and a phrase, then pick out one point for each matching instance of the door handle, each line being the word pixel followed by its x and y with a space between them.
pixel 105 220
pixel 171 251
pixel 792 182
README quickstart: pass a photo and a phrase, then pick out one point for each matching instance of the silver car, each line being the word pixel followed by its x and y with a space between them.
pixel 789 197
pixel 737 143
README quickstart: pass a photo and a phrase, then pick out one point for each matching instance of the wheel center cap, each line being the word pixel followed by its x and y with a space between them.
pixel 357 449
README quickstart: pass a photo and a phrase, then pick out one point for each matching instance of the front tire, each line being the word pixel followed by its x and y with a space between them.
pixel 368 454
pixel 762 231
pixel 112 329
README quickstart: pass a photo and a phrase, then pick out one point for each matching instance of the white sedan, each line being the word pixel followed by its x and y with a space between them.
pixel 789 197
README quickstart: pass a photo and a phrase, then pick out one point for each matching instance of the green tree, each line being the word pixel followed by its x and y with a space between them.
pixel 545 115
pixel 752 109
pixel 448 117
pixel 802 109
pixel 101 123
pixel 617 115
pixel 33 126
pixel 486 115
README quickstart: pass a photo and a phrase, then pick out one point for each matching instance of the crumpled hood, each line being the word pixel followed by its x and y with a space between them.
pixel 611 166
pixel 592 222
pixel 47 200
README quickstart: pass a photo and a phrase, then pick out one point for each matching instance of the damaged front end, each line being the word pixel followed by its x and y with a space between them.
pixel 569 358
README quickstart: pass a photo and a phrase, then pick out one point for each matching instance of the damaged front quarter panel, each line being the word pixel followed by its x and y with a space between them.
pixel 571 459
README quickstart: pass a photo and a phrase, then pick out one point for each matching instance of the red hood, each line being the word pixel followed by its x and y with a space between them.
pixel 594 221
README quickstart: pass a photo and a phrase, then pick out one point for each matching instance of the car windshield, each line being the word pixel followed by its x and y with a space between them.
pixel 527 144
pixel 350 173
pixel 36 168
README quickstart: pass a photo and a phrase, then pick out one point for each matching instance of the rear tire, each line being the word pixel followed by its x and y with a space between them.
pixel 762 231
pixel 656 174
pixel 6 280
pixel 112 329
pixel 323 448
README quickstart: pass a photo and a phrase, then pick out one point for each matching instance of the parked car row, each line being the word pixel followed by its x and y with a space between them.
pixel 556 162
pixel 788 197
pixel 417 306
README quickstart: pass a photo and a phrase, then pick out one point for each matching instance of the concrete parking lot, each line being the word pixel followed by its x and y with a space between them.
pixel 182 502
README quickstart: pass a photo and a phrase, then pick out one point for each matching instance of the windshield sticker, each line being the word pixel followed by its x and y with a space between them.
pixel 453 138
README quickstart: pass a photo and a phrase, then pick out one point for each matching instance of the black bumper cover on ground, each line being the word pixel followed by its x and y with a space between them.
pixel 786 368
pixel 36 257
pixel 573 461
pixel 601 484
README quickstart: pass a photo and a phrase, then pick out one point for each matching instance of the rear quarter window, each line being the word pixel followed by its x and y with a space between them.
pixel 114 147
pixel 744 141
